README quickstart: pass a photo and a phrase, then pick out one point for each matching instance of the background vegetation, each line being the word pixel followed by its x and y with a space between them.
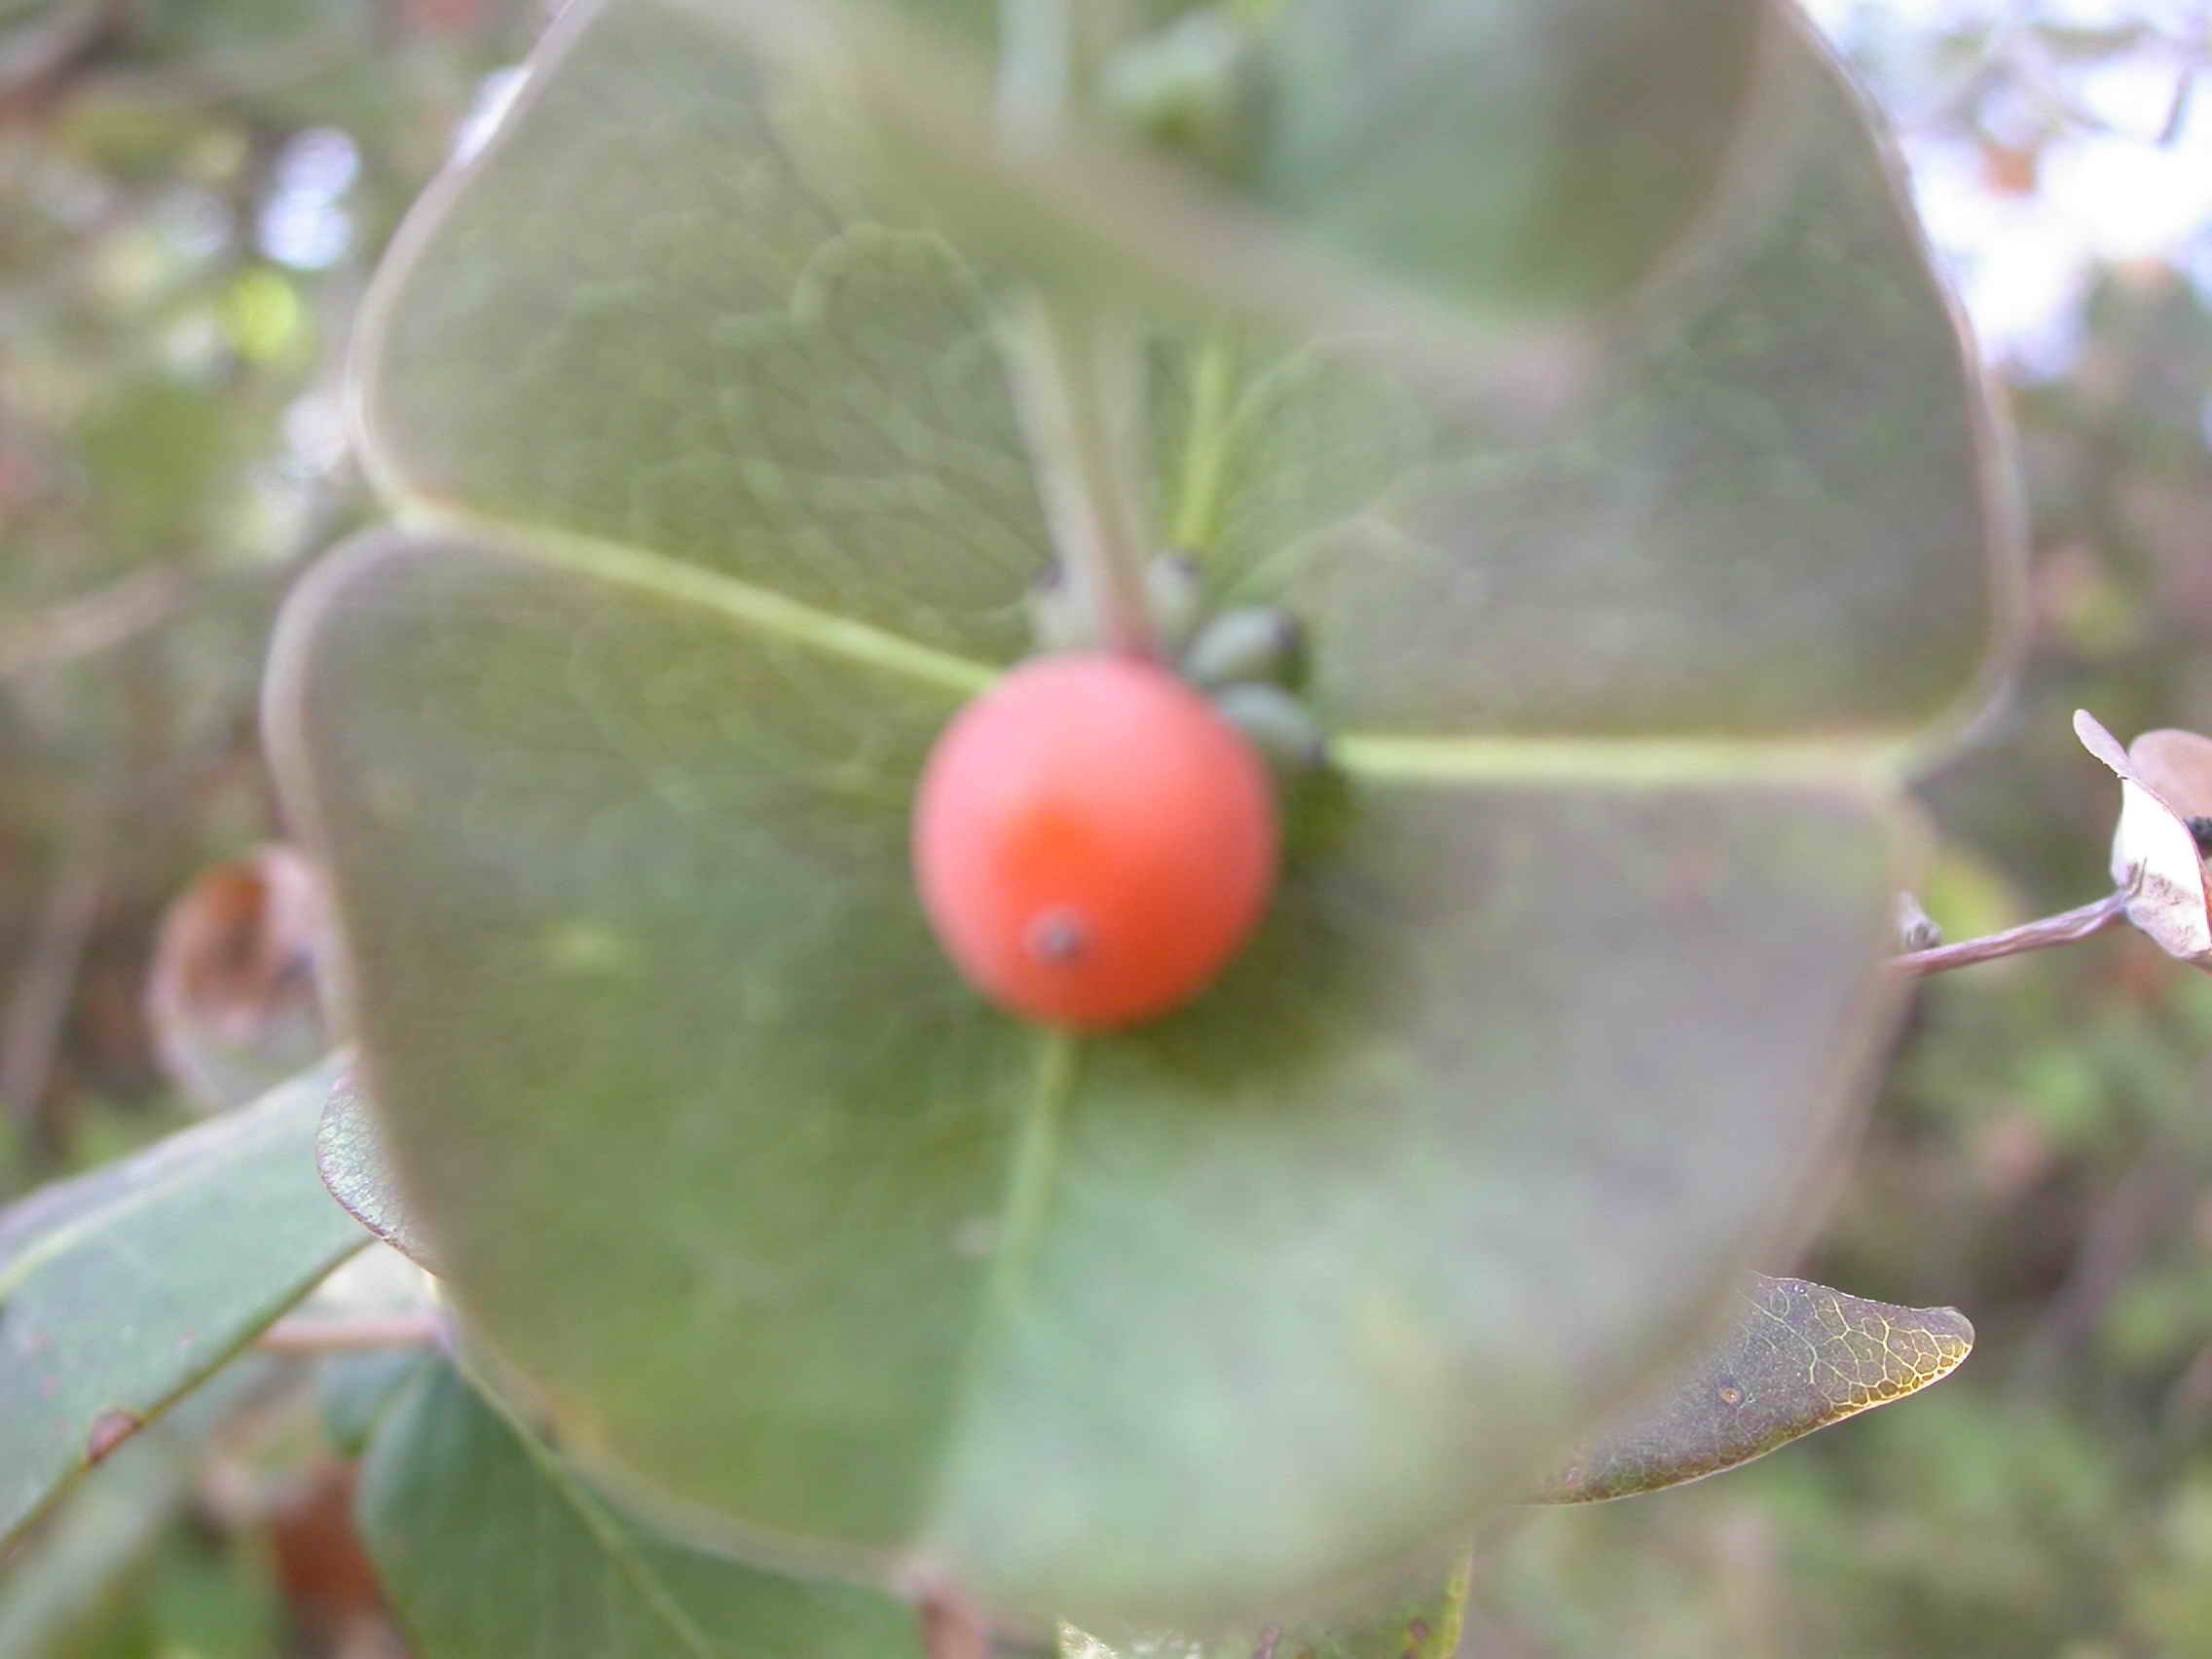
pixel 192 193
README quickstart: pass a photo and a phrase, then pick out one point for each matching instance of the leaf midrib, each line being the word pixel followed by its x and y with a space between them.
pixel 1034 1167
pixel 1626 761
pixel 621 1551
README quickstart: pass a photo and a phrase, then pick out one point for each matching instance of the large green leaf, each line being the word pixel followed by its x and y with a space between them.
pixel 1770 523
pixel 1602 128
pixel 1794 1358
pixel 486 1544
pixel 1789 1358
pixel 1600 132
pixel 677 1071
pixel 787 388
pixel 121 1289
pixel 1773 522
pixel 720 510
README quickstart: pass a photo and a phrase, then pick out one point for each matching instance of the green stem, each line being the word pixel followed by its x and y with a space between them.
pixel 1035 1167
pixel 1076 380
pixel 1077 367
pixel 1457 1588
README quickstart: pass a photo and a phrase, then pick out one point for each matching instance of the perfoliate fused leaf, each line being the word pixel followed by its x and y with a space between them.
pixel 1603 128
pixel 719 505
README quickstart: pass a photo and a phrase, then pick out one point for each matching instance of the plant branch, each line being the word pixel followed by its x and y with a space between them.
pixel 1077 369
pixel 92 622
pixel 2065 928
pixel 1074 371
pixel 38 1001
pixel 39 58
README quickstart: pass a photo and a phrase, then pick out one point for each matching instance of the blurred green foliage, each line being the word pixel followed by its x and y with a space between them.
pixel 191 193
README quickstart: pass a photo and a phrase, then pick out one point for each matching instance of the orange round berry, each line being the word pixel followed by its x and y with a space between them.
pixel 1093 841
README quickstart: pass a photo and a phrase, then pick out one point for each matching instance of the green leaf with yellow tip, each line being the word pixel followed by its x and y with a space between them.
pixel 1795 1357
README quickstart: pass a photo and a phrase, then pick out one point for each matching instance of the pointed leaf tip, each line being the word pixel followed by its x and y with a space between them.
pixel 1797 1357
pixel 2102 744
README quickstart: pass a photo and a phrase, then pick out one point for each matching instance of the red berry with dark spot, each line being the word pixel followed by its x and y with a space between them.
pixel 1093 841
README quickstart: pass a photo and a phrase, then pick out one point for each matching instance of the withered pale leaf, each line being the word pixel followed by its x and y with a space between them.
pixel 2154 853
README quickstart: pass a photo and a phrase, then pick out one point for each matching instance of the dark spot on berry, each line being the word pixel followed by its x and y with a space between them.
pixel 1059 936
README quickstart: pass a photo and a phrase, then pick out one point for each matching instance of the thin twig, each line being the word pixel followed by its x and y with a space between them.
pixel 312 1334
pixel 38 58
pixel 2135 1215
pixel 2041 933
pixel 38 1001
pixel 2177 112
pixel 91 622
pixel 236 76
pixel 2038 70
pixel 1070 366
pixel 2190 1400
pixel 1077 368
